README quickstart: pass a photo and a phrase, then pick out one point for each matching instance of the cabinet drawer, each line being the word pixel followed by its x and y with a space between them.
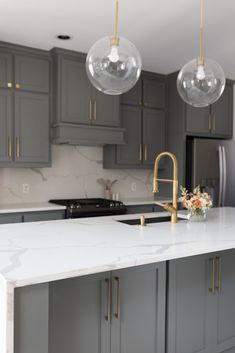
pixel 43 216
pixel 11 218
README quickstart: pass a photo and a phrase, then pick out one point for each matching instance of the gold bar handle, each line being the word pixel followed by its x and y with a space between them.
pixel 213 121
pixel 9 147
pixel 212 266
pixel 118 304
pixel 145 152
pixel 210 122
pixel 140 152
pixel 95 110
pixel 17 147
pixel 218 268
pixel 108 310
pixel 17 85
pixel 90 110
pixel 9 84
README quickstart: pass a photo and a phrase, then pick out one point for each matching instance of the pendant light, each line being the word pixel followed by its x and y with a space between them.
pixel 201 81
pixel 113 64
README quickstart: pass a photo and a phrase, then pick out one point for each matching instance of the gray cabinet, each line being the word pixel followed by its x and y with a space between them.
pixel 10 218
pixel 32 128
pixel 79 310
pixel 118 312
pixel 143 115
pixel 43 216
pixel 6 73
pixel 201 314
pixel 82 114
pixel 25 107
pixel 215 120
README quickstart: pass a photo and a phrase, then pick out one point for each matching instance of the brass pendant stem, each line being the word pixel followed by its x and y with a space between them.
pixel 115 39
pixel 201 60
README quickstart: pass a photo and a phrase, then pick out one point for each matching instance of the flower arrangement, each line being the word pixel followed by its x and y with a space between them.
pixel 196 202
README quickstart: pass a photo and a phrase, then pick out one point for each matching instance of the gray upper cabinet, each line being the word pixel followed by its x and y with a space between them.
pixel 201 313
pixel 75 93
pixel 138 307
pixel 25 113
pixel 131 152
pixel 154 93
pixel 6 128
pixel 82 114
pixel 6 73
pixel 215 120
pixel 32 74
pixel 153 134
pixel 146 105
pixel 31 128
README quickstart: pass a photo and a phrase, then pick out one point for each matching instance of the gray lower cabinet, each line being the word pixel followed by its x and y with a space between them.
pixel 32 126
pixel 118 312
pixel 201 313
pixel 11 218
pixel 43 216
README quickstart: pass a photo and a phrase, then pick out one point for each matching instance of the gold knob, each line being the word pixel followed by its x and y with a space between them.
pixel 9 84
pixel 17 85
pixel 142 221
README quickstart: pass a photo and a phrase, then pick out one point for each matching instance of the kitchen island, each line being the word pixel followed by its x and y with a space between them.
pixel 35 255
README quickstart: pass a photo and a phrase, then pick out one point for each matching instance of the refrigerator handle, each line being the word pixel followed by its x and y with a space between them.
pixel 220 176
pixel 224 174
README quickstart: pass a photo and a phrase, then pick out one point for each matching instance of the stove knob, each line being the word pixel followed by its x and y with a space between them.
pixel 111 204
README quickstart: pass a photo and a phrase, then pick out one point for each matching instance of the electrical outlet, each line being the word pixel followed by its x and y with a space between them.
pixel 25 188
pixel 133 186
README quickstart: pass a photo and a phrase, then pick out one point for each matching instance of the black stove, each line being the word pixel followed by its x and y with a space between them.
pixel 76 208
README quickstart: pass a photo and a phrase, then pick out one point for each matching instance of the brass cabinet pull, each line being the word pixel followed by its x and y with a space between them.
pixel 17 147
pixel 213 122
pixel 140 152
pixel 9 84
pixel 90 110
pixel 212 266
pixel 108 308
pixel 210 124
pixel 145 152
pixel 118 303
pixel 17 85
pixel 95 110
pixel 9 147
pixel 218 269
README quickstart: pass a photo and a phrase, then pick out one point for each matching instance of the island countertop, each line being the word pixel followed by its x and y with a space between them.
pixel 40 252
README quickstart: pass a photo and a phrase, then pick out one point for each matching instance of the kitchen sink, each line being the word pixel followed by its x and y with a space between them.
pixel 136 221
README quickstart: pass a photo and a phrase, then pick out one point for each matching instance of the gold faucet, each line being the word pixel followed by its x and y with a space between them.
pixel 170 208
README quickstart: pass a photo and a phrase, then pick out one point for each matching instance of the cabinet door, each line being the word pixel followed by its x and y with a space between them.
pixel 223 320
pixel 32 74
pixel 10 218
pixel 190 306
pixel 131 153
pixel 134 95
pixel 222 114
pixel 138 322
pixel 6 70
pixel 78 308
pixel 106 110
pixel 154 93
pixel 153 134
pixel 5 126
pixel 76 104
pixel 43 216
pixel 198 120
pixel 32 128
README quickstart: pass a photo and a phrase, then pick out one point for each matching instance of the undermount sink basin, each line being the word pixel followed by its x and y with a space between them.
pixel 136 221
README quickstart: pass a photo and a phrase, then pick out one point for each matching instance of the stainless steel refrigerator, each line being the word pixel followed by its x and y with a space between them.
pixel 211 164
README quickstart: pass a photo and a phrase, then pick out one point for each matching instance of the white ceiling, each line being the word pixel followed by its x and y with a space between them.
pixel 165 32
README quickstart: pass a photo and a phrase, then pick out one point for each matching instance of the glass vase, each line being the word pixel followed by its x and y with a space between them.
pixel 197 216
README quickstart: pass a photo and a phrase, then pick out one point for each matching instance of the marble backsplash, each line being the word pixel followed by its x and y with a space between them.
pixel 74 173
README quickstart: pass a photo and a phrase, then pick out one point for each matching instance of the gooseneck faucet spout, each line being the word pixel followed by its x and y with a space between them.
pixel 171 208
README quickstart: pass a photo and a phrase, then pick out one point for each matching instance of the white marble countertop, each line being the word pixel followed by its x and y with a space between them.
pixel 29 207
pixel 32 253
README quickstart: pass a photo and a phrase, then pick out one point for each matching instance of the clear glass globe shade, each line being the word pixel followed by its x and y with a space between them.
pixel 201 85
pixel 113 69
